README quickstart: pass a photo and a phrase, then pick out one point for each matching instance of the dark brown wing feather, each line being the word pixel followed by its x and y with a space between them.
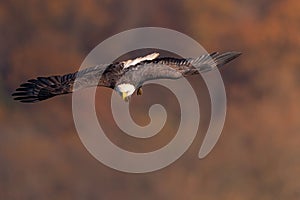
pixel 204 63
pixel 174 68
pixel 42 88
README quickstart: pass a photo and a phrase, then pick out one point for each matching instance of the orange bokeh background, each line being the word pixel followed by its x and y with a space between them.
pixel 257 156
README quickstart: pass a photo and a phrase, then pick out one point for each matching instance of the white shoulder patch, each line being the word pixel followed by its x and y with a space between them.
pixel 135 61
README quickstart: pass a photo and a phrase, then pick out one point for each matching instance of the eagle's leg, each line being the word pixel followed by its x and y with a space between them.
pixel 139 91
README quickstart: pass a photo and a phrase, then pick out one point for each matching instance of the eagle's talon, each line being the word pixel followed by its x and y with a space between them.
pixel 139 91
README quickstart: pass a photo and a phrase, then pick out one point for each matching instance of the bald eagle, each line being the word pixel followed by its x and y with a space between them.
pixel 124 77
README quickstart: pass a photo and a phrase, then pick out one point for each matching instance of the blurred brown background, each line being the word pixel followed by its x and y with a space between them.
pixel 257 156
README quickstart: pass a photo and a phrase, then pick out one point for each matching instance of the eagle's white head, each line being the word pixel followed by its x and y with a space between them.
pixel 125 90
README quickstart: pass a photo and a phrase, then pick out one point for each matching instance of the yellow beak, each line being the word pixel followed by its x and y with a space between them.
pixel 124 95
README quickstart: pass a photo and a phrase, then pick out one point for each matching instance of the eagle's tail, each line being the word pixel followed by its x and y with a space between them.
pixel 43 88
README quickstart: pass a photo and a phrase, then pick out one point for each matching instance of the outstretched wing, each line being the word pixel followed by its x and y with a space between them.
pixel 42 88
pixel 173 68
pixel 106 75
